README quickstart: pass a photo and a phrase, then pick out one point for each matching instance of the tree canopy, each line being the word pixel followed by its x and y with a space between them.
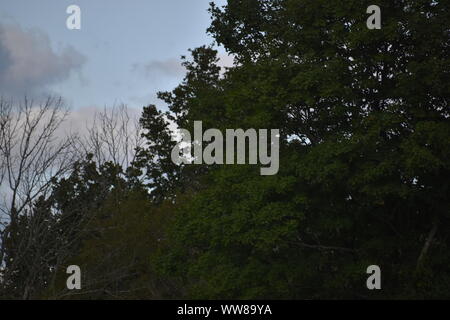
pixel 364 165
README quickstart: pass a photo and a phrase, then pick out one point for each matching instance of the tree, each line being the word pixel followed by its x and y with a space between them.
pixel 114 135
pixel 116 253
pixel 364 148
pixel 31 158
pixel 49 237
pixel 199 93
pixel 364 165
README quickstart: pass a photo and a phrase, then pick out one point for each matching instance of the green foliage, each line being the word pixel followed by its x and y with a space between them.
pixel 364 172
pixel 117 250
pixel 364 166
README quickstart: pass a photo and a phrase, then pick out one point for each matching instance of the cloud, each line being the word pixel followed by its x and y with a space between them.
pixel 170 68
pixel 164 75
pixel 79 119
pixel 28 64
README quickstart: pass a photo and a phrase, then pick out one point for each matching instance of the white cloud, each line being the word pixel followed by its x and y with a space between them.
pixel 170 68
pixel 173 68
pixel 28 64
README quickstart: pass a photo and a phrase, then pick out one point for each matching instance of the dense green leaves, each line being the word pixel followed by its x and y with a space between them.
pixel 364 164
pixel 364 172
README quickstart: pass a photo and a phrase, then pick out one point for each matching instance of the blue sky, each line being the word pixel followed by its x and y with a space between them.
pixel 125 52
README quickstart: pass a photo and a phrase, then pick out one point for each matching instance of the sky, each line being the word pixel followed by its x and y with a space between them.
pixel 125 51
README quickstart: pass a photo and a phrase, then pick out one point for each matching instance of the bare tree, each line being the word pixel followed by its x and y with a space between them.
pixel 114 135
pixel 32 155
